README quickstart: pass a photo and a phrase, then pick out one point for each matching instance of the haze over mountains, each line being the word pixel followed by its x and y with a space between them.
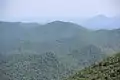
pixel 64 46
pixel 102 22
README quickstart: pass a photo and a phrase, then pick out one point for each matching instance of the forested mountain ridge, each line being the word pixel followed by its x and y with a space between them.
pixel 71 46
pixel 57 35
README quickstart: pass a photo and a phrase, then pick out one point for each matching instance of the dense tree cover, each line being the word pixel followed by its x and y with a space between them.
pixel 108 69
pixel 32 67
pixel 29 51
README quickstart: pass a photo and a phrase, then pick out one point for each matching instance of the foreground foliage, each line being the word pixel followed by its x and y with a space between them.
pixel 108 69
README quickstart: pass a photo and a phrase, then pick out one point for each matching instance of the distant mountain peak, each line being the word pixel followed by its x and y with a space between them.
pixel 102 22
pixel 101 15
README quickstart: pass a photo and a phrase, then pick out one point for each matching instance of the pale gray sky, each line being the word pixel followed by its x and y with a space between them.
pixel 29 9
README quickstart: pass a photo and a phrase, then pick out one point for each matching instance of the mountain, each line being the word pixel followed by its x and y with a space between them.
pixel 102 22
pixel 15 34
pixel 74 47
pixel 108 69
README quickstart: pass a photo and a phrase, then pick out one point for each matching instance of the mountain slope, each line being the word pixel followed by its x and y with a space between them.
pixel 109 69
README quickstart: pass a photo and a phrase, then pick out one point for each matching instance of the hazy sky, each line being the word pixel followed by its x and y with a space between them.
pixel 28 9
